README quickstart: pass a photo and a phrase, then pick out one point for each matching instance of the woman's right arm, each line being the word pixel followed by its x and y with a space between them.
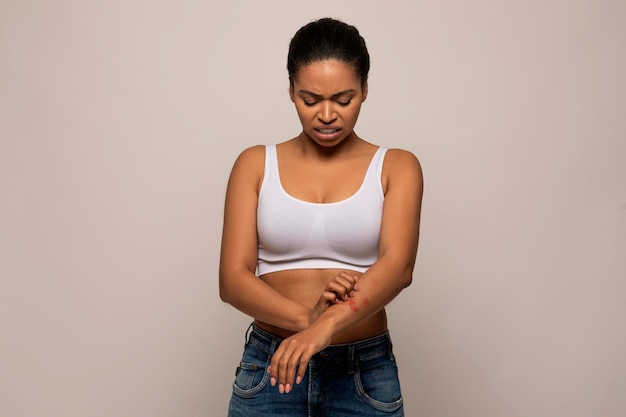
pixel 239 285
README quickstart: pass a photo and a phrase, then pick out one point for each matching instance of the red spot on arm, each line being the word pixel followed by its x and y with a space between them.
pixel 353 304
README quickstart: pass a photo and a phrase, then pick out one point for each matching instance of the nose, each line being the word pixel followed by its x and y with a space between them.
pixel 326 114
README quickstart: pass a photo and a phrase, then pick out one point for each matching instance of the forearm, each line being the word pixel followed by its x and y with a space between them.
pixel 252 296
pixel 377 288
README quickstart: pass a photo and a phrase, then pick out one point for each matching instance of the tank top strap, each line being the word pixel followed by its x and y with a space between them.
pixel 271 162
pixel 374 172
pixel 381 152
pixel 372 183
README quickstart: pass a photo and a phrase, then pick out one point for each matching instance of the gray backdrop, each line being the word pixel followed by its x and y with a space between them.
pixel 120 120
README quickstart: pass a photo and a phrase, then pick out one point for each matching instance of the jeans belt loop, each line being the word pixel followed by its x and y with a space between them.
pixel 351 360
pixel 247 336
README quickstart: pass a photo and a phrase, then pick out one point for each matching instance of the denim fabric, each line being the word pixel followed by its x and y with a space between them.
pixel 354 379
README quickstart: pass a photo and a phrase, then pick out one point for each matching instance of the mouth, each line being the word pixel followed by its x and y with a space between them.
pixel 325 131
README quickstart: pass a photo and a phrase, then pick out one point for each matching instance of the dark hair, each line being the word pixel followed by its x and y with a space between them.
pixel 328 39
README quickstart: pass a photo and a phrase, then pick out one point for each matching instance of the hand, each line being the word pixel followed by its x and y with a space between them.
pixel 338 290
pixel 294 354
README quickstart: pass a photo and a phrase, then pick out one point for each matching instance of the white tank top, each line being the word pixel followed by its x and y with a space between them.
pixel 296 234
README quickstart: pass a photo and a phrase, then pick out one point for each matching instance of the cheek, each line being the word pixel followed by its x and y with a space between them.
pixel 304 113
pixel 353 115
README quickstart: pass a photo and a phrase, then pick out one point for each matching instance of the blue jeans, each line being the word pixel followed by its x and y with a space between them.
pixel 353 379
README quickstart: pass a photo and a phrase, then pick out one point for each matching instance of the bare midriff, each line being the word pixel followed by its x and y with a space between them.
pixel 305 286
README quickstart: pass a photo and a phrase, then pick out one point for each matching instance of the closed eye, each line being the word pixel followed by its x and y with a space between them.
pixel 343 98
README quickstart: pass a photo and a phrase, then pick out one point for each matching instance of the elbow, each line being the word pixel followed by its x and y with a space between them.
pixel 225 292
pixel 231 281
pixel 406 277
pixel 227 297
pixel 399 267
pixel 224 295
pixel 408 280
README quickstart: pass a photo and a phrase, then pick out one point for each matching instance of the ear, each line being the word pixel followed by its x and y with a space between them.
pixel 364 91
pixel 291 92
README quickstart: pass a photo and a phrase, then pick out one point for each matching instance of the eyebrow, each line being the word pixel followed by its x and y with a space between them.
pixel 312 94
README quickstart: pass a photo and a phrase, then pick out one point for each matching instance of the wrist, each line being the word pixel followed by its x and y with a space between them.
pixel 304 319
pixel 327 322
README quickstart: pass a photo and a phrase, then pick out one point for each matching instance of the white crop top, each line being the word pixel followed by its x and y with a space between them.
pixel 296 234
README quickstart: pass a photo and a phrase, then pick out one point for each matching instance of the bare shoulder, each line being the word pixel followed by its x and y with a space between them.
pixel 252 156
pixel 401 164
pixel 251 160
pixel 249 167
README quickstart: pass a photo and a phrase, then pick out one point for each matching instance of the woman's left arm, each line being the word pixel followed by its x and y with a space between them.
pixel 383 281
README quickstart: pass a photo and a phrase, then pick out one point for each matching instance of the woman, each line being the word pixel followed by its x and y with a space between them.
pixel 320 234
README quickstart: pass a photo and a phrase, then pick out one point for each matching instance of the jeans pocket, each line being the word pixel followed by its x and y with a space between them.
pixel 251 376
pixel 377 383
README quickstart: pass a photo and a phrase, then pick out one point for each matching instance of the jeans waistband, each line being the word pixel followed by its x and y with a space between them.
pixel 361 350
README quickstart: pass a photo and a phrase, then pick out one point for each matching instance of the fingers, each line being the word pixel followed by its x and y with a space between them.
pixel 289 364
pixel 331 297
pixel 343 285
pixel 302 370
pixel 293 355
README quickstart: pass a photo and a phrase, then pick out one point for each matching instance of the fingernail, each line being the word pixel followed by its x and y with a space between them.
pixel 273 381
pixel 288 388
pixel 298 379
pixel 281 388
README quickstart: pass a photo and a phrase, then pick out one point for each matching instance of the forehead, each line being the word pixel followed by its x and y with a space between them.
pixel 327 76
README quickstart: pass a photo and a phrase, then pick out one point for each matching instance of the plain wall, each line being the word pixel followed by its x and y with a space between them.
pixel 120 121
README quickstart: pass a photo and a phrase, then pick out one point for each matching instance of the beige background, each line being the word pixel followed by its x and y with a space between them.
pixel 120 120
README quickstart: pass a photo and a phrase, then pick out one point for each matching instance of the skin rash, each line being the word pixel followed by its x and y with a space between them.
pixel 353 304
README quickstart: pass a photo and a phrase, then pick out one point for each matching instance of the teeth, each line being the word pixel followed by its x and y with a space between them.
pixel 327 131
